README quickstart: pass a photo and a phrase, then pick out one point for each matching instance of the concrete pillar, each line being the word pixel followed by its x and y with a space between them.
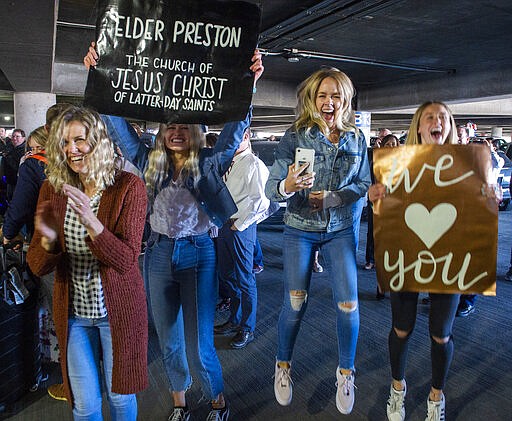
pixel 497 131
pixel 30 109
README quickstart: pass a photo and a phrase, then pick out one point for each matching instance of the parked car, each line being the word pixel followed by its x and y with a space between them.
pixel 507 149
pixel 265 150
pixel 504 181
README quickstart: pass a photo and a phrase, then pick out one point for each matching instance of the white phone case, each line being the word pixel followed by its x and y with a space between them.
pixel 303 155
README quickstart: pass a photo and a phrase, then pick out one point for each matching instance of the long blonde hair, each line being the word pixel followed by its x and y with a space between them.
pixel 414 138
pixel 100 159
pixel 160 159
pixel 307 113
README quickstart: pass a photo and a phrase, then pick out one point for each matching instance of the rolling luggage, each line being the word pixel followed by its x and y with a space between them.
pixel 20 349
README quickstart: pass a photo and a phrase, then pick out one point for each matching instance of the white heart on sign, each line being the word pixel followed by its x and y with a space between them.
pixel 430 226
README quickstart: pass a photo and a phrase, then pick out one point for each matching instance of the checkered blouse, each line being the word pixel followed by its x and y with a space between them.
pixel 86 290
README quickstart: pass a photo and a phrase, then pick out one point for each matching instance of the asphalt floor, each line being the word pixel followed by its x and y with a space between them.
pixel 479 384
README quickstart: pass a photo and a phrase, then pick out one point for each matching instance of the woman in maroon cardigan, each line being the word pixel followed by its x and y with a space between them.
pixel 88 228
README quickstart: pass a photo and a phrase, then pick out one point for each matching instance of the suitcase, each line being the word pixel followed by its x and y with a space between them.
pixel 20 347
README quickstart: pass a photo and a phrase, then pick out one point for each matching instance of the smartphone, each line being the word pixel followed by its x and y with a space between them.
pixel 303 155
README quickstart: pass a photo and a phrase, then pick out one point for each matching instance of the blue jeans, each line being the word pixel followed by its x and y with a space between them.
pixel 258 253
pixel 236 256
pixel 183 294
pixel 339 253
pixel 89 341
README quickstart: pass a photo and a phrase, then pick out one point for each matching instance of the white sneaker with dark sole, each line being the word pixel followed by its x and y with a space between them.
pixel 220 414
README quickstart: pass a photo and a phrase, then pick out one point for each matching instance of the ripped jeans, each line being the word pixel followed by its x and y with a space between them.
pixel 338 251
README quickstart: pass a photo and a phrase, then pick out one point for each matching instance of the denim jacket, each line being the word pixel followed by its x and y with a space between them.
pixel 343 170
pixel 211 193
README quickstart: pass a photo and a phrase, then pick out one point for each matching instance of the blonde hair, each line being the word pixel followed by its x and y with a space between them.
pixel 100 160
pixel 160 159
pixel 414 138
pixel 39 135
pixel 54 111
pixel 307 113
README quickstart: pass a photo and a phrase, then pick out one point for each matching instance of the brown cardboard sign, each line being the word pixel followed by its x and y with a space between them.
pixel 437 228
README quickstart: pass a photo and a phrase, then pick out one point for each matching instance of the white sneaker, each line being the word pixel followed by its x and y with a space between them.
pixel 396 404
pixel 435 410
pixel 283 385
pixel 179 414
pixel 345 394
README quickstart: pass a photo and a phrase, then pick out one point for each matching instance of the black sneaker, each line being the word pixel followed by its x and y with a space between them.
pixel 508 275
pixel 223 305
pixel 226 328
pixel 221 414
pixel 179 414
pixel 465 310
pixel 242 338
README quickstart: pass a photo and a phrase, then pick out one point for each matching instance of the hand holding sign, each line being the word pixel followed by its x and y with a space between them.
pixel 91 58
pixel 257 65
pixel 376 192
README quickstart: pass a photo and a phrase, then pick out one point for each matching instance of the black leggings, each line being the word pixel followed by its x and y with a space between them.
pixel 443 308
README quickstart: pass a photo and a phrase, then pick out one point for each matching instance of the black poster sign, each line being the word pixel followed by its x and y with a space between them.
pixel 183 61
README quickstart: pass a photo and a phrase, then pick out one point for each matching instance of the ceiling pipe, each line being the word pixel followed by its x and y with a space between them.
pixel 296 54
pixel 319 18
pixel 75 25
pixel 270 117
pixel 314 13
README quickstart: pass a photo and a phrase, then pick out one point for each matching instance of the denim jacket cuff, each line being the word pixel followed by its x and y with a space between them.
pixel 332 199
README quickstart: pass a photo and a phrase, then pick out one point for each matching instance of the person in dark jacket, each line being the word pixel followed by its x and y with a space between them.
pixel 31 175
pixel 13 155
pixel 30 178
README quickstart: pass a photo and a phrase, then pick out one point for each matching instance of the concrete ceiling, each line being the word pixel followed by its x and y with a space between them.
pixel 398 53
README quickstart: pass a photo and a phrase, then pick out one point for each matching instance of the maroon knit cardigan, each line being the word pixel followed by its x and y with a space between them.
pixel 122 211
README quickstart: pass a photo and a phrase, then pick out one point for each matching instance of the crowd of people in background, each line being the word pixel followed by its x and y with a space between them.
pixel 67 192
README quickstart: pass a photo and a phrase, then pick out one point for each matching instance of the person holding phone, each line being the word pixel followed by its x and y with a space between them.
pixel 323 211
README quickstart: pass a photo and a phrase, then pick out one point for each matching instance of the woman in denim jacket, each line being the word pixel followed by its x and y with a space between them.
pixel 323 210
pixel 187 198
